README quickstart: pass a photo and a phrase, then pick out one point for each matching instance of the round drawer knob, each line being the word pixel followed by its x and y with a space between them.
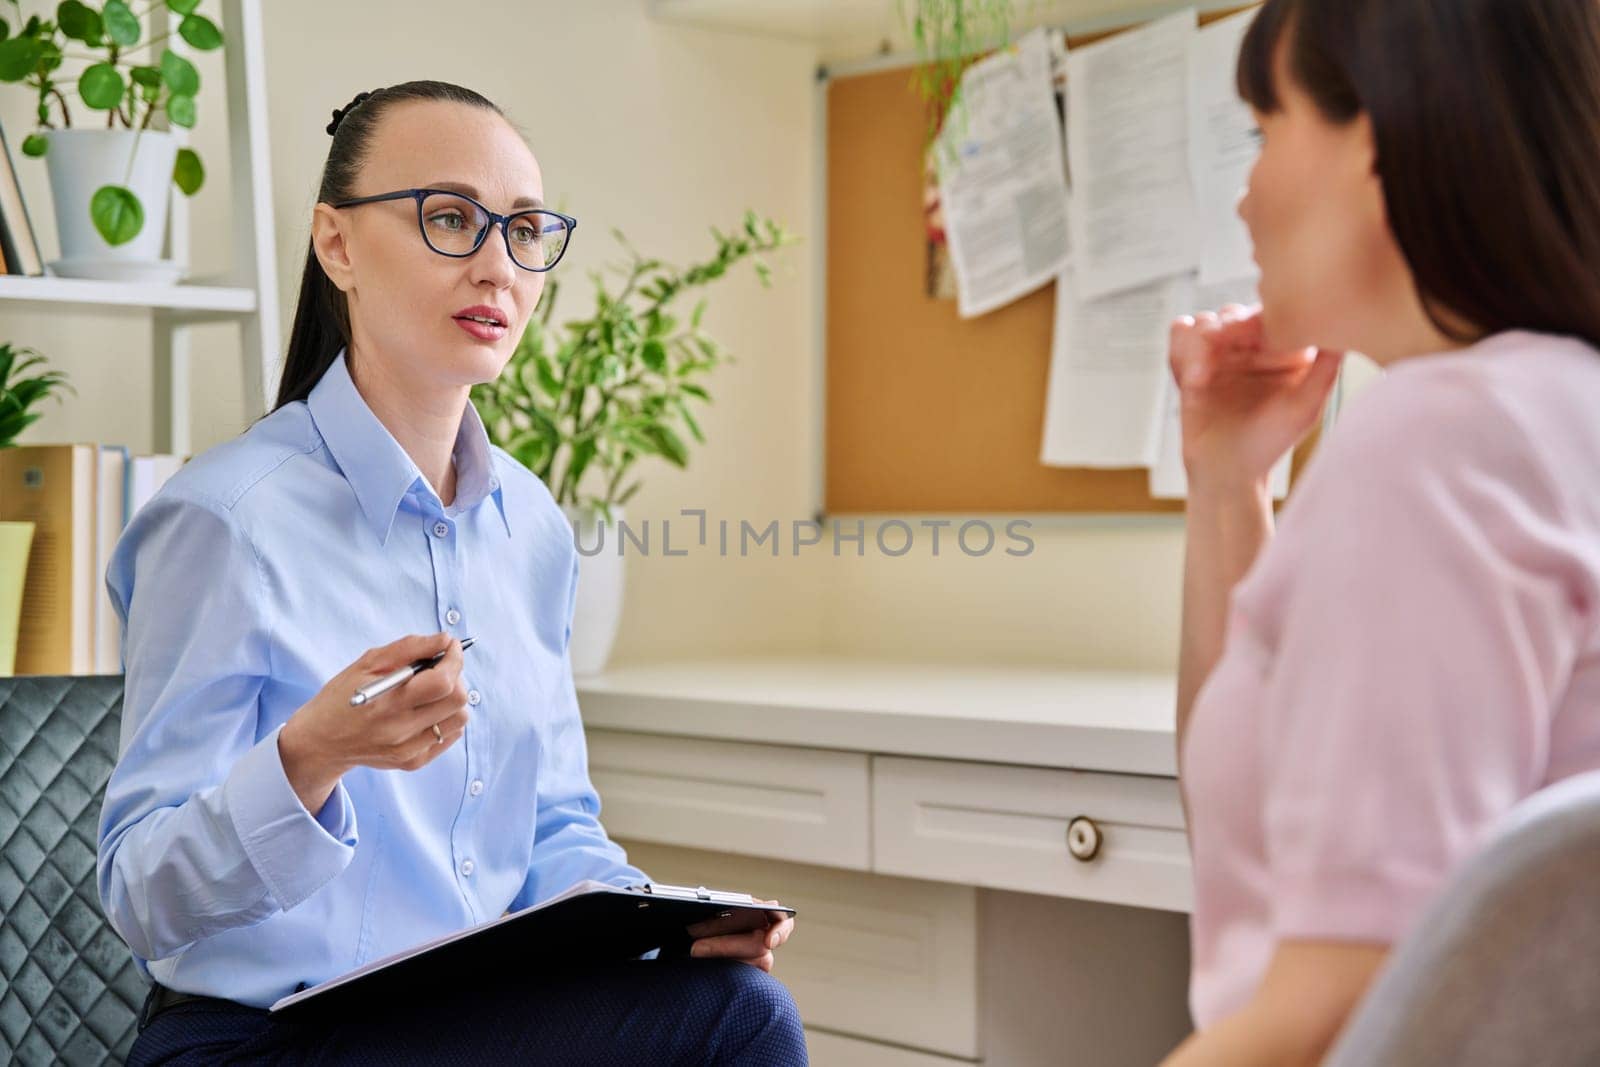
pixel 1083 838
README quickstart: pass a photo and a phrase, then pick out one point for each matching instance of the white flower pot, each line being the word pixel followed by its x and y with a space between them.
pixel 80 162
pixel 598 612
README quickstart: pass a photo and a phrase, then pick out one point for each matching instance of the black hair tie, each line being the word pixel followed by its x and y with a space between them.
pixel 340 113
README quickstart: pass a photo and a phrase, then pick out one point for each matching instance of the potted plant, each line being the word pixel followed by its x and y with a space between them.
pixel 18 395
pixel 110 185
pixel 581 403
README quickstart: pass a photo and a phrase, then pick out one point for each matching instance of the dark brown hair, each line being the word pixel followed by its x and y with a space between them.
pixel 1486 123
pixel 322 316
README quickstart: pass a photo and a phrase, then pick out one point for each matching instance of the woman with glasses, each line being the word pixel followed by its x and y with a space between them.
pixel 1416 646
pixel 260 834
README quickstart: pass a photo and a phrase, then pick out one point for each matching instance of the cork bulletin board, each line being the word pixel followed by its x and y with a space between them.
pixel 924 411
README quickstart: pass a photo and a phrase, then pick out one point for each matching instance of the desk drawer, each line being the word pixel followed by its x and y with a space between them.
pixel 1007 828
pixel 889 960
pixel 800 804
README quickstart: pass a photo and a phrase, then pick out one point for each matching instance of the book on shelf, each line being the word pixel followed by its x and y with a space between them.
pixel 18 240
pixel 79 498
pixel 110 504
pixel 146 474
pixel 53 487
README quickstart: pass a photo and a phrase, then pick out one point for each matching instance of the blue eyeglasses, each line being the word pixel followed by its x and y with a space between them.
pixel 454 224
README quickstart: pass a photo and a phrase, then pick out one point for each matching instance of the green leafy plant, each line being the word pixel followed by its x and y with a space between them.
pixel 18 394
pixel 948 35
pixel 166 82
pixel 593 396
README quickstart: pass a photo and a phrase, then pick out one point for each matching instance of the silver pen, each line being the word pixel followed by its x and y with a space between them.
pixel 373 690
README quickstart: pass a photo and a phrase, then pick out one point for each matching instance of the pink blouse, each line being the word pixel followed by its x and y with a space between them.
pixel 1416 650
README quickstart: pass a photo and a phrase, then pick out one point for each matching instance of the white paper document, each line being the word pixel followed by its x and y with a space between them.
pixel 1167 478
pixel 1107 365
pixel 1004 192
pixel 1133 207
pixel 1223 146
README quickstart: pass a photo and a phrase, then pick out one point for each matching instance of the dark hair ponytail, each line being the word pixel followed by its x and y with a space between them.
pixel 322 316
pixel 1486 122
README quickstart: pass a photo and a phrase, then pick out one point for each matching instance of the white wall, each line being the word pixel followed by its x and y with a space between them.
pixel 662 130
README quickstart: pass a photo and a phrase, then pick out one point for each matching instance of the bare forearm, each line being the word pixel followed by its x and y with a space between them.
pixel 1227 529
pixel 1246 1039
pixel 312 778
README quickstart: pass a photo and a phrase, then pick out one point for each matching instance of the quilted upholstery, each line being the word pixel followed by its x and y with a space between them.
pixel 69 989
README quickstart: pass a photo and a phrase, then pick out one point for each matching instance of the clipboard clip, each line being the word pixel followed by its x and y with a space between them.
pixel 697 893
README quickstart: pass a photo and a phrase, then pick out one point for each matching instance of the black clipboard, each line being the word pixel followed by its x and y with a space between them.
pixel 591 923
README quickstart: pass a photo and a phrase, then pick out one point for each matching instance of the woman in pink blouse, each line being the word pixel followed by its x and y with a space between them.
pixel 1365 691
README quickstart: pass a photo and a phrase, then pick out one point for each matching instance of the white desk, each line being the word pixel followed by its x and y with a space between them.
pixel 1102 721
pixel 885 796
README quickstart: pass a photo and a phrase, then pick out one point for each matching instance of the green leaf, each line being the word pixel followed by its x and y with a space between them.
pixel 148 77
pixel 121 25
pixel 179 74
pixel 531 449
pixel 117 214
pixel 668 444
pixel 654 355
pixel 101 86
pixel 627 494
pixel 695 390
pixel 35 145
pixel 180 109
pixel 183 7
pixel 547 376
pixel 200 32
pixel 19 57
pixel 79 22
pixel 49 57
pixel 699 313
pixel 188 172
pixel 688 420
pixel 532 452
pixel 5 30
pixel 583 453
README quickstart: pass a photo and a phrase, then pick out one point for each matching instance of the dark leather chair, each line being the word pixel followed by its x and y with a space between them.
pixel 69 990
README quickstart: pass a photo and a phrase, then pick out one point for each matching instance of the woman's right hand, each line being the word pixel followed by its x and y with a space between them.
pixel 1243 406
pixel 327 737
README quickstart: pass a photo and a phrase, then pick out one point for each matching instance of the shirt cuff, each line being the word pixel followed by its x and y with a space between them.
pixel 1331 905
pixel 293 853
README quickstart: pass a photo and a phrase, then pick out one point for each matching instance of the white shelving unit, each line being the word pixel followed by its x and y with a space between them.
pixel 247 294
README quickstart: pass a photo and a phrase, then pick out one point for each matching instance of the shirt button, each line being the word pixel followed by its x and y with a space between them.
pixel 452 616
pixel 466 868
pixel 440 529
pixel 474 698
pixel 476 787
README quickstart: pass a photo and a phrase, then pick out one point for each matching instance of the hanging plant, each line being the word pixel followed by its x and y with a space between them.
pixel 948 35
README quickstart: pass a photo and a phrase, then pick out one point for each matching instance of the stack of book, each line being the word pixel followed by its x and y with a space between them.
pixel 78 497
pixel 18 244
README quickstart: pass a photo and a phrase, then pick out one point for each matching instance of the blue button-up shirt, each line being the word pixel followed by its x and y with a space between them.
pixel 263 568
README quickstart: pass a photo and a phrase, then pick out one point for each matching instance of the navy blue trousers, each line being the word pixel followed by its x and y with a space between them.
pixel 656 1012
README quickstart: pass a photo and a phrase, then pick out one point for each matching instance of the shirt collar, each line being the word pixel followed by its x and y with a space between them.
pixel 379 470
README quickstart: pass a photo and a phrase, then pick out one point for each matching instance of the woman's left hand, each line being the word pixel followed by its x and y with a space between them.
pixel 754 947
